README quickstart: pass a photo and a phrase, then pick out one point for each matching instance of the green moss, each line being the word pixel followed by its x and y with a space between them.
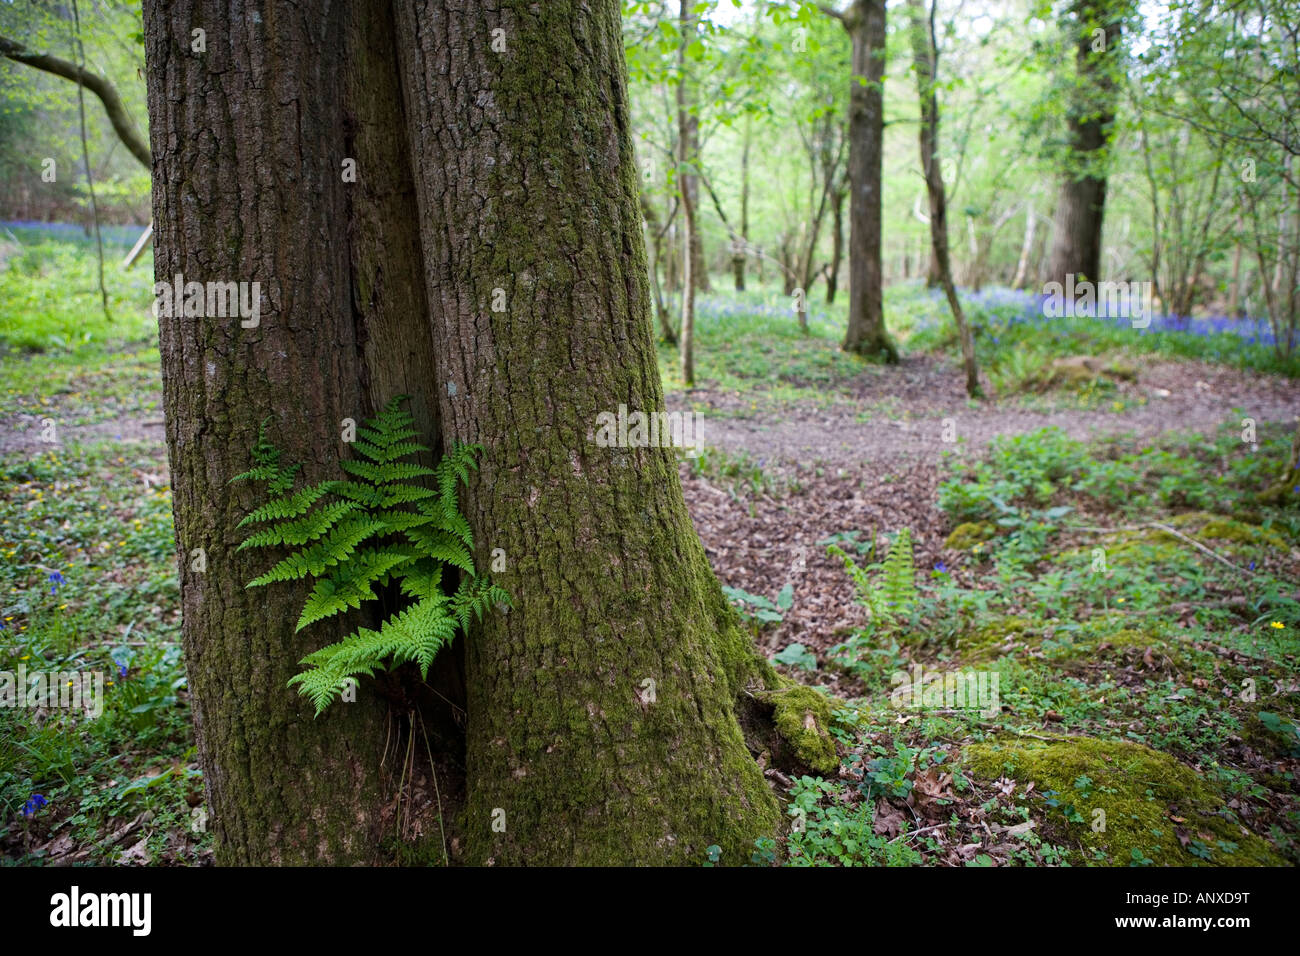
pixel 1120 643
pixel 1140 791
pixel 803 718
pixel 1237 532
pixel 1124 371
pixel 966 536
pixel 988 641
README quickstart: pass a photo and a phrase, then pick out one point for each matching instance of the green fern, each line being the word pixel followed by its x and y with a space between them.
pixel 893 596
pixel 350 536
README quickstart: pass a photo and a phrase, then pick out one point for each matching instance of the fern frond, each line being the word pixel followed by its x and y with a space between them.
pixel 415 532
pixel 313 561
pixel 443 546
pixel 305 529
pixel 387 473
pixel 352 583
pixel 289 506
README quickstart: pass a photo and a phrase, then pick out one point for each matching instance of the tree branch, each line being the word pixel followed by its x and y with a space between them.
pixel 97 84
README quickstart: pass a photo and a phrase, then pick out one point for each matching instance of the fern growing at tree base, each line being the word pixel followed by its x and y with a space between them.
pixel 380 527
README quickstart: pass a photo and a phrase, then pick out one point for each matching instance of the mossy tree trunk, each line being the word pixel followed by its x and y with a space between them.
pixel 603 724
pixel 605 708
pixel 249 142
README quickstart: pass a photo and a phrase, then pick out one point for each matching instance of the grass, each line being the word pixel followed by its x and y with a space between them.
pixel 49 293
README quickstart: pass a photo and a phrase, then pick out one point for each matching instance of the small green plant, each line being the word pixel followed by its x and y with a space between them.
pixel 758 610
pixel 379 529
pixel 796 655
pixel 893 596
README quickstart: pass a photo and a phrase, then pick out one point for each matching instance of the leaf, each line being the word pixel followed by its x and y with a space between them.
pixel 786 598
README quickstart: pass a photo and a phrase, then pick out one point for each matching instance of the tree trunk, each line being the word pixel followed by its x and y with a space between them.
pixel 688 126
pixel 837 245
pixel 924 59
pixel 1234 286
pixel 739 249
pixel 605 708
pixel 1080 208
pixel 602 708
pixel 248 189
pixel 667 333
pixel 1026 248
pixel 865 22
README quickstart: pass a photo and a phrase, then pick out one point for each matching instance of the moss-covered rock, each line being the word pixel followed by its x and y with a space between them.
pixel 803 718
pixel 1151 802
pixel 965 536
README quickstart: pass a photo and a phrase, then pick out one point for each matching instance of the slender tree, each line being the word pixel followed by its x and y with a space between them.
pixel 925 58
pixel 864 20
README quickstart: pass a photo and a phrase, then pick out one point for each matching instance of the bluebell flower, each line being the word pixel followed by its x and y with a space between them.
pixel 940 566
pixel 34 803
pixel 55 580
pixel 121 669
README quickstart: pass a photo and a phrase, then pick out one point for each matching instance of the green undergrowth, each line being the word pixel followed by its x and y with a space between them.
pixel 88 587
pixel 1130 609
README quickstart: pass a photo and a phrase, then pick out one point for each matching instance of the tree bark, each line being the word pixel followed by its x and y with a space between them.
pixel 865 23
pixel 610 585
pixel 1076 247
pixel 247 187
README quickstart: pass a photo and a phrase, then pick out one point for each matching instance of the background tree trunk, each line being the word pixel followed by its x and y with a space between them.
pixel 1076 240
pixel 837 242
pixel 865 23
pixel 613 596
pixel 739 251
pixel 688 127
pixel 924 58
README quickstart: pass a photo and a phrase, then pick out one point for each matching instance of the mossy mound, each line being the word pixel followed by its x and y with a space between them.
pixel 1151 802
pixel 1240 533
pixel 1124 643
pixel 997 637
pixel 1080 371
pixel 967 535
pixel 803 717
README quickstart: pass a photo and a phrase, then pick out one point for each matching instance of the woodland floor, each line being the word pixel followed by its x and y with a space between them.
pixel 873 463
